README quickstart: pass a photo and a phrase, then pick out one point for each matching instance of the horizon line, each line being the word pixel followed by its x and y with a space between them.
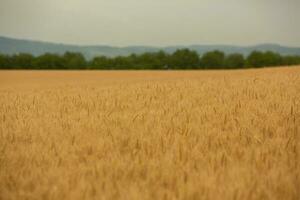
pixel 145 45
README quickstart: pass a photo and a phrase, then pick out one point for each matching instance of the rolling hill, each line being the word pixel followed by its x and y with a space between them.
pixel 14 46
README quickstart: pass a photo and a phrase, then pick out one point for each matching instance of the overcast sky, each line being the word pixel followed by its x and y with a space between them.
pixel 153 22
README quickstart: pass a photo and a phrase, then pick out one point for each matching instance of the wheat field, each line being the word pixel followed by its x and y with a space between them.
pixel 141 135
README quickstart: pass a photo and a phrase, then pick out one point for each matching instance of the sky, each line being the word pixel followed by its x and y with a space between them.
pixel 153 22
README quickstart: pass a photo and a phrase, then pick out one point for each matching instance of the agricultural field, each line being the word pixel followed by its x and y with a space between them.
pixel 137 135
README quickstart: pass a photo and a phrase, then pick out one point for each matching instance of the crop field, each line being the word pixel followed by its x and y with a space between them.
pixel 141 135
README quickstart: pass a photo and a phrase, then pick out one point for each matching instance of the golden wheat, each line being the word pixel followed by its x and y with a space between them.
pixel 150 135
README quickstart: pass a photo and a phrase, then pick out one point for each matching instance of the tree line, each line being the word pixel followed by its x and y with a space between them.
pixel 180 59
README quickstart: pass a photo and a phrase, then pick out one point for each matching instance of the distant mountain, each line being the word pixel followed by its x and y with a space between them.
pixel 13 46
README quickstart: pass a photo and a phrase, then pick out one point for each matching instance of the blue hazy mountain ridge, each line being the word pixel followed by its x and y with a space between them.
pixel 13 46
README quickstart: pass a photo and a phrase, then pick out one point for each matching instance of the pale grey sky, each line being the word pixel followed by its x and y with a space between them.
pixel 153 22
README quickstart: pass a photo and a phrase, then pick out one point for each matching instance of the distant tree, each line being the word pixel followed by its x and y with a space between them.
pixel 101 62
pixel 143 61
pixel 153 60
pixel 132 60
pixel 213 60
pixel 272 59
pixel 290 60
pixel 148 61
pixel 22 61
pixel 235 61
pixel 264 59
pixel 180 59
pixel 121 62
pixel 49 61
pixel 162 60
pixel 255 59
pixel 5 62
pixel 184 59
pixel 74 61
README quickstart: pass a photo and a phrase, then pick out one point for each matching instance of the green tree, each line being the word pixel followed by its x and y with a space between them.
pixel 235 61
pixel 184 59
pixel 22 61
pixel 272 59
pixel 49 61
pixel 153 60
pixel 74 61
pixel 5 62
pixel 134 60
pixel 263 59
pixel 213 60
pixel 255 59
pixel 290 60
pixel 162 60
pixel 181 59
pixel 121 62
pixel 101 62
pixel 147 61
